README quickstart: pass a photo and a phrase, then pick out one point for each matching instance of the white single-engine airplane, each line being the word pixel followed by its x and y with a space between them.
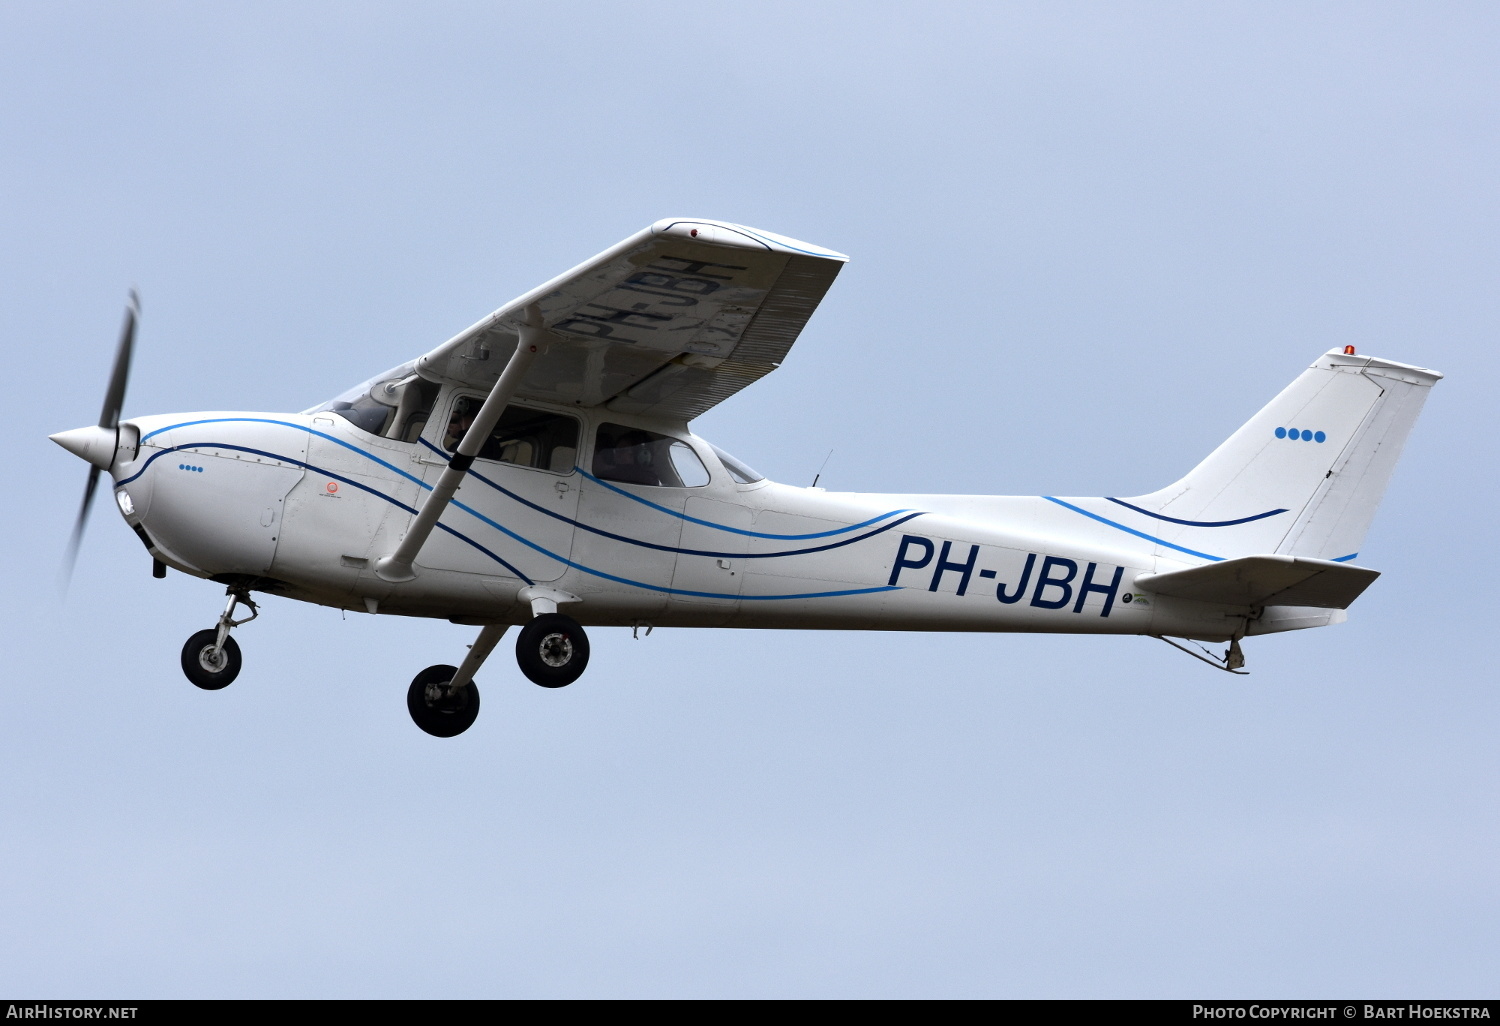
pixel 542 460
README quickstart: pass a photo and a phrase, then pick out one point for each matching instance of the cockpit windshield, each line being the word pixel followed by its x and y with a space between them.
pixel 395 404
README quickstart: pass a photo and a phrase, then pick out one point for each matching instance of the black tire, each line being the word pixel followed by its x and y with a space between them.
pixel 445 715
pixel 198 664
pixel 552 650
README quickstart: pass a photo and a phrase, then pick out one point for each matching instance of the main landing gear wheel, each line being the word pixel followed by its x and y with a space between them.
pixel 438 709
pixel 206 664
pixel 552 650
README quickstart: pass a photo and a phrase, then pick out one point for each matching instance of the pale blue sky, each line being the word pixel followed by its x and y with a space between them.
pixel 1087 241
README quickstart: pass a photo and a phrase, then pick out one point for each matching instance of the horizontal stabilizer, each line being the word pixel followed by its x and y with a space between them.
pixel 1265 580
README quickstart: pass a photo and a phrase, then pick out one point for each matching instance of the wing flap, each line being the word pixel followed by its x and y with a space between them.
pixel 1265 580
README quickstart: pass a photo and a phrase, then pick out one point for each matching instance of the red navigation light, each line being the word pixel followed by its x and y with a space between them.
pixel 1348 350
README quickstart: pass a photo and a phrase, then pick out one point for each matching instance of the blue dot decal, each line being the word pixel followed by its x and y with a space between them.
pixel 1281 432
pixel 1320 437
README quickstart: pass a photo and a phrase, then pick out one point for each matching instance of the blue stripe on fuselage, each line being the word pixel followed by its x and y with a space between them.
pixel 1131 530
pixel 480 516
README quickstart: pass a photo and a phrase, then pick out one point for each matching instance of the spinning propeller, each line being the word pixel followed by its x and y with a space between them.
pixel 98 444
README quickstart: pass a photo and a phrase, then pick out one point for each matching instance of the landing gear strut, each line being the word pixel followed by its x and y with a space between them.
pixel 211 658
pixel 444 700
pixel 552 651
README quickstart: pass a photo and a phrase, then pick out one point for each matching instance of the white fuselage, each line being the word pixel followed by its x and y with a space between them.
pixel 304 504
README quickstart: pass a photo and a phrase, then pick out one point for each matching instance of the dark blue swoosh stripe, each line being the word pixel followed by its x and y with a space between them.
pixel 1131 530
pixel 326 473
pixel 500 527
pixel 738 530
pixel 295 427
pixel 410 477
pixel 673 548
pixel 1197 523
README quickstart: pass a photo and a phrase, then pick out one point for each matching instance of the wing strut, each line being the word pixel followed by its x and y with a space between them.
pixel 397 566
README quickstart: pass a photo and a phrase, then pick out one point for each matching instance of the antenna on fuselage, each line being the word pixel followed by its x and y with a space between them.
pixel 821 469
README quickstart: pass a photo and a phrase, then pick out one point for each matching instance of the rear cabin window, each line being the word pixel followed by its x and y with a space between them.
pixel 633 456
pixel 524 437
pixel 739 470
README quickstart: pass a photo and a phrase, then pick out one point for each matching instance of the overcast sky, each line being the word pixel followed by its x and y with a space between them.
pixel 1087 241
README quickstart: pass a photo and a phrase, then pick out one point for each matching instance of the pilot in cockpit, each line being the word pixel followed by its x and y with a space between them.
pixel 458 425
pixel 628 460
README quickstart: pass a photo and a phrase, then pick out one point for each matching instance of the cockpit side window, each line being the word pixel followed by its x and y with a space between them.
pixel 634 456
pixel 524 437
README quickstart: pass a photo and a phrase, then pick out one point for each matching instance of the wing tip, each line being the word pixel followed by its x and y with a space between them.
pixel 739 236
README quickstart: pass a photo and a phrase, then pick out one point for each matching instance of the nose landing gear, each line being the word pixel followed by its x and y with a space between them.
pixel 211 658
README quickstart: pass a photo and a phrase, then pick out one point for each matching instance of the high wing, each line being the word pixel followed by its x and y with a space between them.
pixel 669 322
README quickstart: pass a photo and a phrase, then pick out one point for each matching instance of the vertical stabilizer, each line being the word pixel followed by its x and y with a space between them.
pixel 1305 475
pixel 1334 522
